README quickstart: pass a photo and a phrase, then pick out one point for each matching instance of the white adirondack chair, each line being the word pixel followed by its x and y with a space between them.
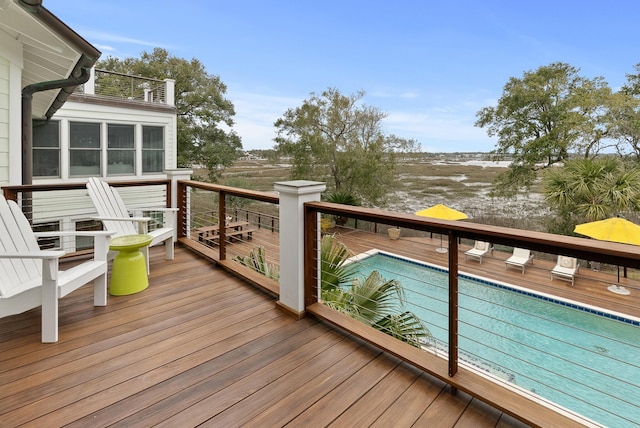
pixel 115 217
pixel 30 277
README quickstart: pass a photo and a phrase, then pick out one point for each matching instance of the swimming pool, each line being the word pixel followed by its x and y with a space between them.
pixel 580 358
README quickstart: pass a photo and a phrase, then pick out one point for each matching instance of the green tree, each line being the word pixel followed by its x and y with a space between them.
pixel 205 116
pixel 543 117
pixel 627 131
pixel 336 138
pixel 591 189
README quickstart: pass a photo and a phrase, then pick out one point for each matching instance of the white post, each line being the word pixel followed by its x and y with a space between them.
pixel 170 89
pixel 293 195
pixel 174 175
pixel 90 85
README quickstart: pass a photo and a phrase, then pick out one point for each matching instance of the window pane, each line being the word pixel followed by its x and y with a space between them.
pixel 84 162
pixel 46 134
pixel 152 149
pixel 86 242
pixel 49 242
pixel 152 161
pixel 46 149
pixel 46 162
pixel 120 136
pixel 120 162
pixel 84 135
pixel 152 137
pixel 84 153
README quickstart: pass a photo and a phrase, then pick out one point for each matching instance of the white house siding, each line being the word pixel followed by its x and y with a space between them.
pixel 52 205
pixel 11 63
pixel 4 120
pixel 65 208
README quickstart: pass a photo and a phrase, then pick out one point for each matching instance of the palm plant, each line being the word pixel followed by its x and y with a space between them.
pixel 344 199
pixel 592 189
pixel 375 301
pixel 257 261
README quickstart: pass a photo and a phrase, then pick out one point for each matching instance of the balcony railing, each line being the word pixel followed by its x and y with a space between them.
pixel 249 241
pixel 128 87
pixel 209 215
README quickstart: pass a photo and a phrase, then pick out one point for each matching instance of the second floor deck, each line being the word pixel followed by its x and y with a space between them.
pixel 200 346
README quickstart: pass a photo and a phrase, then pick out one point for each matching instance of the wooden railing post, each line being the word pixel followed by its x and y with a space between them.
pixel 222 219
pixel 453 303
pixel 293 196
pixel 183 210
pixel 311 265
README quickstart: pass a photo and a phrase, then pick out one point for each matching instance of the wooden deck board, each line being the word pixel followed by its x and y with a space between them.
pixel 201 346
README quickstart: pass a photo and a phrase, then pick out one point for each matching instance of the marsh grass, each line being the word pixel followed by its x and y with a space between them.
pixel 423 181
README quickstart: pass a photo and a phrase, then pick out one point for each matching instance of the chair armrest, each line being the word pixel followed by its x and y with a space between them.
pixel 157 209
pixel 136 219
pixel 94 233
pixel 46 255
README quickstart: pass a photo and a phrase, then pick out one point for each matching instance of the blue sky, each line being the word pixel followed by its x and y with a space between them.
pixel 429 65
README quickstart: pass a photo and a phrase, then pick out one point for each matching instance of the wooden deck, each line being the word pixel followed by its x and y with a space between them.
pixel 202 347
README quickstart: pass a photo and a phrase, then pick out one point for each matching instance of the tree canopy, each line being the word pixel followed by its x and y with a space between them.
pixel 335 138
pixel 547 114
pixel 205 116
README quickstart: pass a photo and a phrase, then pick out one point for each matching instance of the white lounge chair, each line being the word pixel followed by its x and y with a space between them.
pixel 479 250
pixel 520 258
pixel 115 217
pixel 30 277
pixel 565 268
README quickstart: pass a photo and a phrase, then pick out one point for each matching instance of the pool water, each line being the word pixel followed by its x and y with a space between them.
pixel 585 362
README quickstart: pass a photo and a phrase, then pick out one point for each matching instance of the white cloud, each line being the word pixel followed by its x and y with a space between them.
pixel 440 130
pixel 256 114
pixel 105 48
pixel 116 38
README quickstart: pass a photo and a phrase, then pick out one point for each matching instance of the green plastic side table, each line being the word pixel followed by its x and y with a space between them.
pixel 129 270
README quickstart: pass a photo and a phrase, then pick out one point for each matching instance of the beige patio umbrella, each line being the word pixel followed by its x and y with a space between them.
pixel 442 212
pixel 613 229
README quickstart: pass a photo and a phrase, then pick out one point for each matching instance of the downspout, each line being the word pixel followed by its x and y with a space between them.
pixel 27 113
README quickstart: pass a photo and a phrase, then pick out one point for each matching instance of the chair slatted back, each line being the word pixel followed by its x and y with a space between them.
pixel 481 245
pixel 108 203
pixel 16 236
pixel 521 252
pixel 567 262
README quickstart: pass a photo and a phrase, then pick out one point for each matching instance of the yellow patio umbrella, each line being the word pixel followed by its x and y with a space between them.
pixel 613 229
pixel 442 212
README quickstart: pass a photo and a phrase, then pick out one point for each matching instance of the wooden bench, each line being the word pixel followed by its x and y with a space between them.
pixel 210 235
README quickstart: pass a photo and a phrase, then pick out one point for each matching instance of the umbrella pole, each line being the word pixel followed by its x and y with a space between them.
pixel 617 288
pixel 441 250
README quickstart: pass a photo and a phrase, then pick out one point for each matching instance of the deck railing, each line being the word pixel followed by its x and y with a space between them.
pixel 250 235
pixel 128 87
pixel 457 354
